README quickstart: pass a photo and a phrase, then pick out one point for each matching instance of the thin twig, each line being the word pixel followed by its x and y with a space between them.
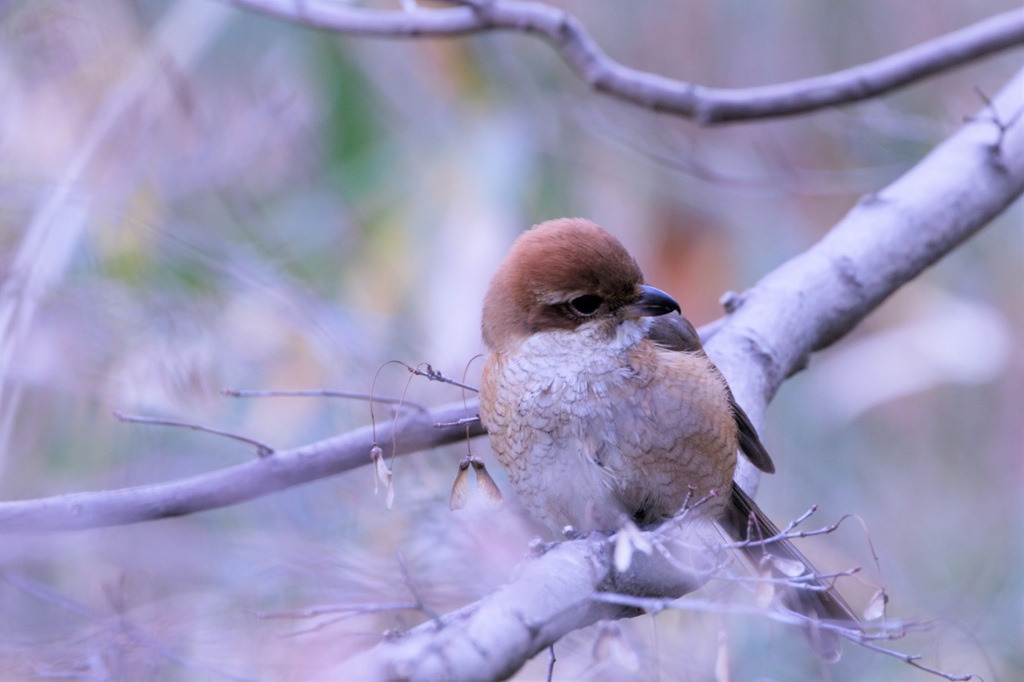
pixel 913 660
pixel 861 637
pixel 330 609
pixel 138 635
pixel 322 393
pixel 262 449
pixel 411 586
pixel 805 582
pixel 790 534
pixel 465 421
pixel 342 612
pixel 435 375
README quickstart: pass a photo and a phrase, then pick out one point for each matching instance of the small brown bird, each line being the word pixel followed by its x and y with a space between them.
pixel 601 403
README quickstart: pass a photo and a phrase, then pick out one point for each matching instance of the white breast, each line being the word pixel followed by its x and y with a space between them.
pixel 550 407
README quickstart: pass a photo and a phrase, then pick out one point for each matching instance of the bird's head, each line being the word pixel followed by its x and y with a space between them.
pixel 561 275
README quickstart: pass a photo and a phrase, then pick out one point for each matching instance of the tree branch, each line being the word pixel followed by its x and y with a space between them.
pixel 569 37
pixel 413 432
pixel 886 240
pixel 550 597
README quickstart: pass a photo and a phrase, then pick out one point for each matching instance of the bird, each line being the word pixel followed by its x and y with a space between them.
pixel 602 405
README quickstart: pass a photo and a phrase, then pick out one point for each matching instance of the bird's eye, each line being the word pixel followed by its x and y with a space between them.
pixel 585 305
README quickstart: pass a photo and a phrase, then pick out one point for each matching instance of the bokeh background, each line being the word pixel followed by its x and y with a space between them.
pixel 193 198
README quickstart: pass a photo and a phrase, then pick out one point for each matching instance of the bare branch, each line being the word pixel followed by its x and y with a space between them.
pixel 567 35
pixel 551 596
pixel 886 240
pixel 286 468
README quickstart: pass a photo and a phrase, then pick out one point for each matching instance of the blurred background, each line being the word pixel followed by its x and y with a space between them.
pixel 195 198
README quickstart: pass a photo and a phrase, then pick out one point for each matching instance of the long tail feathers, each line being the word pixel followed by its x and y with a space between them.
pixel 819 601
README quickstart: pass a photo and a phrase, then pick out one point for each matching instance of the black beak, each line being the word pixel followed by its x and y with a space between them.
pixel 652 302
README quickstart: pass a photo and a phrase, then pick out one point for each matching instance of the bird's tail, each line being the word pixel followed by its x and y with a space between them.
pixel 811 597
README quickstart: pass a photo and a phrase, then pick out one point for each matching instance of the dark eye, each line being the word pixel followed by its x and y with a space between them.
pixel 585 305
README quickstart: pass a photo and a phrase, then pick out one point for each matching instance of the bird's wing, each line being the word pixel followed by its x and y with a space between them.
pixel 675 333
pixel 750 444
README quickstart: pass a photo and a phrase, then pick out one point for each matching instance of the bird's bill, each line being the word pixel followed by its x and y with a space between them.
pixel 652 302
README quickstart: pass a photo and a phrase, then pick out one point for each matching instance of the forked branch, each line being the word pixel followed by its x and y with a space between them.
pixel 567 35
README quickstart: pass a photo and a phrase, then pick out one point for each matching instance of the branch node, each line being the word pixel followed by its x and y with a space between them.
pixel 731 301
pixel 465 421
pixel 992 117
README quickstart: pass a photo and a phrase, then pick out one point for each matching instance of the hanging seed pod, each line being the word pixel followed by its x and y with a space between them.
pixel 460 489
pixel 486 485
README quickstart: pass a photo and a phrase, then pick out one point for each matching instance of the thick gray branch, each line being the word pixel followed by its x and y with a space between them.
pixel 707 105
pixel 886 240
pixel 550 597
